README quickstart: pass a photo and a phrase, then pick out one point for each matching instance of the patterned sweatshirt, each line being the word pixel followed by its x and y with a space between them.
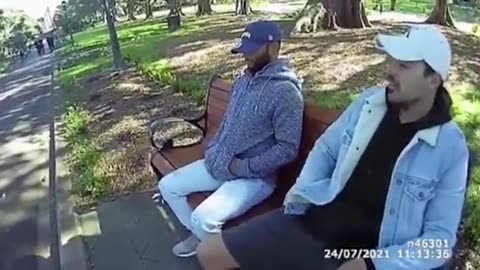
pixel 262 125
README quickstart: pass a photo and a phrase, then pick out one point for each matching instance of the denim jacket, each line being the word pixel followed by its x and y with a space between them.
pixel 426 193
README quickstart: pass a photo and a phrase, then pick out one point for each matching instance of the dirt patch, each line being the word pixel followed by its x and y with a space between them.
pixel 123 106
pixel 345 60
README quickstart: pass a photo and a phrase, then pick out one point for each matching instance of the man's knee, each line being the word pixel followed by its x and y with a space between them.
pixel 166 185
pixel 204 223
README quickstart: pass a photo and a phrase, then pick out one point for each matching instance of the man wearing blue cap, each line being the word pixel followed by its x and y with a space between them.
pixel 382 189
pixel 260 133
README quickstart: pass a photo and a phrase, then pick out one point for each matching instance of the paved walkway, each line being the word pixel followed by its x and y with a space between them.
pixel 133 233
pixel 25 104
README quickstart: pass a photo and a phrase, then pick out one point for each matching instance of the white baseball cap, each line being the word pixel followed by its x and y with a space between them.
pixel 423 42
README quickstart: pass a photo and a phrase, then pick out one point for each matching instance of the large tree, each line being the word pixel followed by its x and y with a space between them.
pixel 117 54
pixel 393 4
pixel 204 7
pixel 16 30
pixel 243 7
pixel 441 14
pixel 175 7
pixel 148 8
pixel 129 8
pixel 83 12
pixel 331 14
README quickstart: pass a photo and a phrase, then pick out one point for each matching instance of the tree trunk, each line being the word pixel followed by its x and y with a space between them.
pixel 331 14
pixel 175 8
pixel 117 54
pixel 113 8
pixel 131 10
pixel 393 4
pixel 243 7
pixel 441 14
pixel 204 7
pixel 148 9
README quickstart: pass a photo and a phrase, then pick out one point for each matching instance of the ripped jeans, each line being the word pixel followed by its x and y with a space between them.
pixel 230 199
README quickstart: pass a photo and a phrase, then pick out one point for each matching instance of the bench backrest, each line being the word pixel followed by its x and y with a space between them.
pixel 218 97
pixel 316 120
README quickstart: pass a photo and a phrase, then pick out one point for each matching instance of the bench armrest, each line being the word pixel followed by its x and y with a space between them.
pixel 157 124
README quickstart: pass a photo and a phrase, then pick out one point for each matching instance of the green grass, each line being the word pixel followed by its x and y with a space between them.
pixel 140 46
pixel 139 42
pixel 162 72
pixel 459 13
pixel 84 155
pixel 467 114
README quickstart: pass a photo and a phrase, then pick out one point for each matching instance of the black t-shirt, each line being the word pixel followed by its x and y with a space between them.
pixel 353 219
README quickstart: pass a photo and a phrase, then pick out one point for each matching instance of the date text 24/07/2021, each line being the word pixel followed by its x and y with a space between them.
pixel 350 254
pixel 418 249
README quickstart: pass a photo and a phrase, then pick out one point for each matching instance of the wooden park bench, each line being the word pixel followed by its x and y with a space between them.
pixel 166 158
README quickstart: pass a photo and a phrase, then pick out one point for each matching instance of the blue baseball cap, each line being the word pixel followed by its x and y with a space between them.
pixel 256 35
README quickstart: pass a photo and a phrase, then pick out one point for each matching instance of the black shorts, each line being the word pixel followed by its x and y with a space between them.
pixel 276 241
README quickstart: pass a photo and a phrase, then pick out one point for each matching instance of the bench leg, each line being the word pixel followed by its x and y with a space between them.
pixel 157 197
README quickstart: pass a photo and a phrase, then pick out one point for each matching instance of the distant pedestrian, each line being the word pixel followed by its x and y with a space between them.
pixel 40 47
pixel 51 43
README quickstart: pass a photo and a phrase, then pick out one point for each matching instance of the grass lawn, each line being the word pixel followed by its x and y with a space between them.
pixel 171 73
pixel 139 41
pixel 459 13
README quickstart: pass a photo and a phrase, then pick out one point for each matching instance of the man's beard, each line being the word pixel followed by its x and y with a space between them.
pixel 260 63
pixel 393 86
pixel 400 105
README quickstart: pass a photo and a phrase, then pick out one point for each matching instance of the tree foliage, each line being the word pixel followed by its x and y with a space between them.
pixel 16 31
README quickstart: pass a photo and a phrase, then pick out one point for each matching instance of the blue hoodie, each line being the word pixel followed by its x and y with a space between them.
pixel 262 125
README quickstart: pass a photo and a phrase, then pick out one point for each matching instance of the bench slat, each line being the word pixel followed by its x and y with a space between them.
pixel 180 157
pixel 161 164
pixel 214 118
pixel 221 84
pixel 314 114
pixel 219 95
pixel 217 104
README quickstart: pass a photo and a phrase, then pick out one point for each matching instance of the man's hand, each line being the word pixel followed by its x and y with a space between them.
pixel 357 264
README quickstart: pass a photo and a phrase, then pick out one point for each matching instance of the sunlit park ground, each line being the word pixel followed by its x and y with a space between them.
pixel 169 71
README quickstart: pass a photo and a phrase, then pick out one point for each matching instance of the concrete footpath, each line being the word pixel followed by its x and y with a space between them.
pixel 26 235
pixel 133 233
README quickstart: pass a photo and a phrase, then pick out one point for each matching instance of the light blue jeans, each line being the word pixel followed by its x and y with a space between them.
pixel 230 199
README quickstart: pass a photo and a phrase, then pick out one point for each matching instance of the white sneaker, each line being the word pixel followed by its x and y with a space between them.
pixel 157 197
pixel 186 248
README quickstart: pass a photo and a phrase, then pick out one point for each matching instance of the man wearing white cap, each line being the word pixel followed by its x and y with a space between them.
pixel 382 189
